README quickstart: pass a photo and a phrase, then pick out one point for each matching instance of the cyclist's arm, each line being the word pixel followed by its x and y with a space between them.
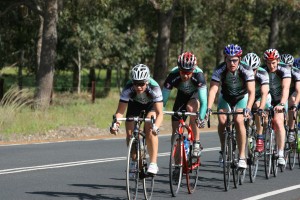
pixel 202 94
pixel 121 109
pixel 214 87
pixel 251 93
pixel 297 89
pixel 158 107
pixel 166 93
pixel 264 90
pixel 286 82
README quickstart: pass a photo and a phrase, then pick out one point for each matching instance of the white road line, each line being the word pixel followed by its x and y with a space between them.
pixel 84 162
pixel 268 194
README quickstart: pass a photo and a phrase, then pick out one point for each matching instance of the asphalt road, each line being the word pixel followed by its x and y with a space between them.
pixel 87 170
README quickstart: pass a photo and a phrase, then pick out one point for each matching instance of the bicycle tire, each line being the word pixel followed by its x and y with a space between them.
pixel 253 159
pixel 148 181
pixel 268 152
pixel 132 182
pixel 227 159
pixel 292 155
pixel 274 156
pixel 192 173
pixel 175 164
pixel 234 166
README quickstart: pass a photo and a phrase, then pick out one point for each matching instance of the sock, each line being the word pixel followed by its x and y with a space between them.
pixel 280 153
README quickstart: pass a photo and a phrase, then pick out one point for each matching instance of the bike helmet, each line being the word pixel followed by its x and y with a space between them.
pixel 140 72
pixel 233 50
pixel 271 54
pixel 252 60
pixel 287 59
pixel 187 61
pixel 297 63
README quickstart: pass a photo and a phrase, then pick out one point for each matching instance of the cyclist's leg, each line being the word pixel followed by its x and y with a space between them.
pixel 291 121
pixel 280 132
pixel 240 128
pixel 223 106
pixel 193 106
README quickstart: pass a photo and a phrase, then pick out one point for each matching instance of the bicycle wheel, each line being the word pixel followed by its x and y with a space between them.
pixel 292 155
pixel 253 160
pixel 175 164
pixel 148 181
pixel 234 165
pixel 227 159
pixel 268 152
pixel 192 173
pixel 132 175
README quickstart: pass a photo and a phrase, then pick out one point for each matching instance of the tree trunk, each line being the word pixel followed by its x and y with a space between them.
pixel 163 43
pixel 48 56
pixel 39 47
pixel 184 30
pixel 274 26
pixel 20 69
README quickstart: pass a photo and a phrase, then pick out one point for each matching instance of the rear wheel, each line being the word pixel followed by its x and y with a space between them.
pixel 175 164
pixel 132 173
pixel 227 158
pixel 268 152
pixel 193 173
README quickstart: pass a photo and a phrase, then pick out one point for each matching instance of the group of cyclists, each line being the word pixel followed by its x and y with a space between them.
pixel 245 83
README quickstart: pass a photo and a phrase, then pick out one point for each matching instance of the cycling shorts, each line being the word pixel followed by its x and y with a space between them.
pixel 241 104
pixel 181 102
pixel 134 108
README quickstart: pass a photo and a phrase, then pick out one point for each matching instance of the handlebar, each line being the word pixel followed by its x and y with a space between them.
pixel 181 113
pixel 222 113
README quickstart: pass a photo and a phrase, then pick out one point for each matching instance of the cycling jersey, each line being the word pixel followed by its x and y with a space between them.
pixel 233 85
pixel 195 86
pixel 152 94
pixel 276 81
pixel 295 78
pixel 261 78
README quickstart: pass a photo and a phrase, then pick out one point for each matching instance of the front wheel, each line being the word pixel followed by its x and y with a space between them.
pixel 175 164
pixel 227 161
pixel 132 169
pixel 192 173
pixel 148 180
pixel 268 152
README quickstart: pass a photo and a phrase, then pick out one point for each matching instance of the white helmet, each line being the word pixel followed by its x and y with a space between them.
pixel 287 59
pixel 252 60
pixel 140 72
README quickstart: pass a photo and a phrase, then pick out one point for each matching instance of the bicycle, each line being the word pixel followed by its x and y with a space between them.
pixel 291 148
pixel 270 151
pixel 230 151
pixel 181 160
pixel 137 154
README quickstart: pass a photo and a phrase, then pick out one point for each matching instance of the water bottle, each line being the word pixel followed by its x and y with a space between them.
pixel 186 143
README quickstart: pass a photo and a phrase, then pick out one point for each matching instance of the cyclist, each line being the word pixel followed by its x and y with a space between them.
pixel 190 82
pixel 238 89
pixel 142 93
pixel 262 96
pixel 280 80
pixel 294 95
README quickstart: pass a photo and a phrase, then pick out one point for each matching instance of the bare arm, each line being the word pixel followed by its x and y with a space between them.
pixel 214 87
pixel 286 82
pixel 297 89
pixel 121 109
pixel 251 93
pixel 264 90
pixel 158 106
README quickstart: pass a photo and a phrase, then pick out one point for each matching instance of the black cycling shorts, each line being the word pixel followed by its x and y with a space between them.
pixel 134 108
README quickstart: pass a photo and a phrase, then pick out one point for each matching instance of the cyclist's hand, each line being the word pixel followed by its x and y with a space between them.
pixel 261 112
pixel 293 108
pixel 247 112
pixel 155 129
pixel 208 113
pixel 114 129
pixel 200 123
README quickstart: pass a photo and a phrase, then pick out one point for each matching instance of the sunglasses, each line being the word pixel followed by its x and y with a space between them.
pixel 137 84
pixel 232 60
pixel 185 73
